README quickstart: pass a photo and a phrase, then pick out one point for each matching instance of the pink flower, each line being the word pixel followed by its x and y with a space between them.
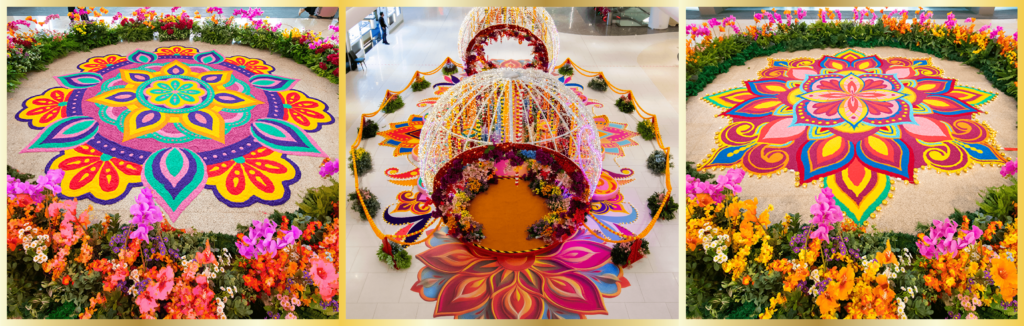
pixel 290 316
pixel 146 303
pixel 821 233
pixel 162 284
pixel 173 9
pixel 758 16
pixel 1010 169
pixel 800 13
pixel 330 168
pixel 325 277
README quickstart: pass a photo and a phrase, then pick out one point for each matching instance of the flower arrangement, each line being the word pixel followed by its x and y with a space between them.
pixel 599 84
pixel 553 178
pixel 369 199
pixel 370 128
pixel 476 59
pixel 668 212
pixel 449 69
pixel 34 49
pixel 360 162
pixel 175 27
pixel 624 254
pixel 747 267
pixel 657 161
pixel 394 104
pixel 565 70
pixel 624 104
pixel 63 266
pixel 420 84
pixel 394 255
pixel 646 129
pixel 714 46
pixel 216 29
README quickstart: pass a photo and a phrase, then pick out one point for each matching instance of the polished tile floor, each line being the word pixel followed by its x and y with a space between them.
pixel 644 63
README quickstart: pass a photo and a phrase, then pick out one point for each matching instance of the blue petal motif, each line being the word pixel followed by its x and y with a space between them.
pixel 272 83
pixel 63 134
pixel 140 56
pixel 284 137
pixel 80 80
pixel 209 58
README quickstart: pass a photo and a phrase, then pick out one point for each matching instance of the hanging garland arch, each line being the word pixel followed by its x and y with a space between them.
pixel 487 24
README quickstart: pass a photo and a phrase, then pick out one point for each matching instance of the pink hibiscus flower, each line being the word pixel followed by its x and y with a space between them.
pixel 162 284
pixel 324 275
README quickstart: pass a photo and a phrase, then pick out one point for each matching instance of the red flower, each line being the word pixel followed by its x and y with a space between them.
pixel 66 280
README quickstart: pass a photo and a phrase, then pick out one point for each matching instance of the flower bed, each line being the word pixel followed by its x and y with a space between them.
pixel 60 265
pixel 32 50
pixel 713 47
pixel 741 266
pixel 553 177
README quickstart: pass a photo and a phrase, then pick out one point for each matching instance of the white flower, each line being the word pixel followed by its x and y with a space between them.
pixel 815 275
pixel 33 244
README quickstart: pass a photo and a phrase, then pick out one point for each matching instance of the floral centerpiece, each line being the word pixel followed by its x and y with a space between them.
pixel 553 177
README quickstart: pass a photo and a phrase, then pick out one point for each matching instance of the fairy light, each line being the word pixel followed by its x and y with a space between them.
pixel 508 105
pixel 536 20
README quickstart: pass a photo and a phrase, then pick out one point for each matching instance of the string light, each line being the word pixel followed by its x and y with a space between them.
pixel 536 20
pixel 507 105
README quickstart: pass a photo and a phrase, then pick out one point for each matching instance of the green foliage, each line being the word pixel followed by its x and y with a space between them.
pixel 215 33
pixel 259 39
pixel 420 84
pixel 599 84
pixel 369 129
pixel 18 175
pixel 394 104
pixel 620 252
pixel 668 212
pixel 736 50
pixel 691 170
pixel 748 310
pixel 321 202
pixel 369 199
pixel 565 70
pixel 656 162
pixel 65 311
pixel 362 161
pixel 134 32
pixel 92 35
pixel 401 256
pixel 999 201
pixel 625 105
pixel 646 129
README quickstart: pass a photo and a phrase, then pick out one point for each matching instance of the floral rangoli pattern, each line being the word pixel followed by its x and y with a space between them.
pixel 177 120
pixel 567 282
pixel 853 122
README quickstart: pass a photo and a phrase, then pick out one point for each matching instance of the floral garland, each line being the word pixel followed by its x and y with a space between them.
pixel 477 61
pixel 554 178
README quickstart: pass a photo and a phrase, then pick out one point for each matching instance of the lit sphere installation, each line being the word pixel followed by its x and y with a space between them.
pixel 506 105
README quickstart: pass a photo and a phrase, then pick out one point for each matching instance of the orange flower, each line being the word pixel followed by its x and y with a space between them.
pixel 826 304
pixel 746 280
pixel 887 257
pixel 1004 274
pixel 842 284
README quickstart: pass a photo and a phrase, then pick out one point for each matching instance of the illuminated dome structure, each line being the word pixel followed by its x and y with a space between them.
pixel 523 106
pixel 486 24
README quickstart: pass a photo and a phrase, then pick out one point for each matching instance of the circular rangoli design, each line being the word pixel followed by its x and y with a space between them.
pixel 177 120
pixel 854 122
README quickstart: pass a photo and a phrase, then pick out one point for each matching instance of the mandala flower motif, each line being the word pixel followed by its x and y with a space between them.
pixel 42 110
pixel 856 122
pixel 89 173
pixel 614 136
pixel 99 63
pixel 570 281
pixel 404 136
pixel 262 176
pixel 174 94
pixel 303 111
pixel 255 66
pixel 177 50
